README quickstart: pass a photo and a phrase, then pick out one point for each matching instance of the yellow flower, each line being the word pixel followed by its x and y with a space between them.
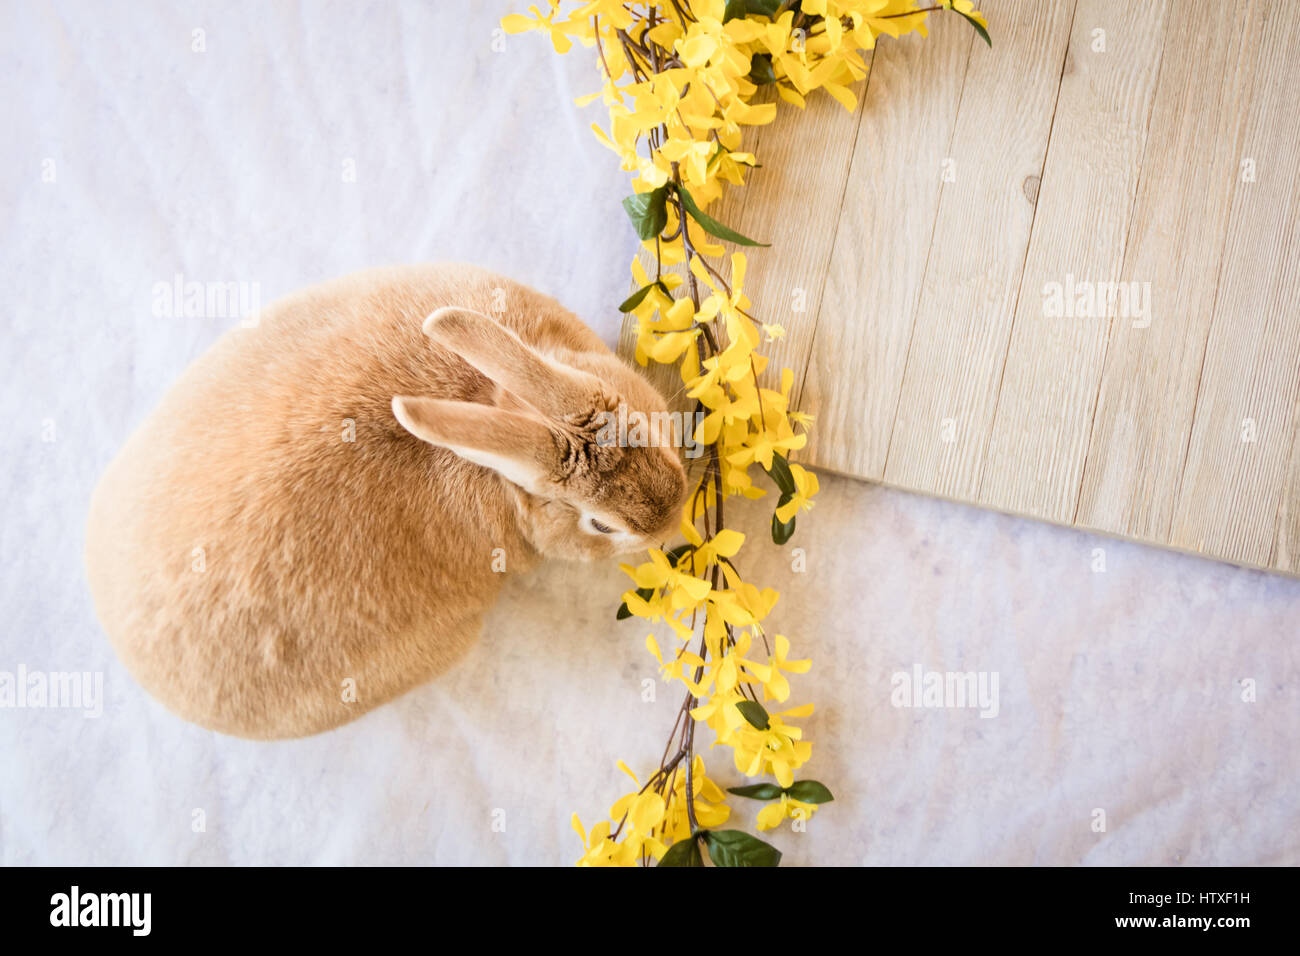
pixel 708 800
pixel 724 544
pixel 684 590
pixel 764 444
pixel 643 811
pixel 744 604
pixel 777 812
pixel 518 23
pixel 679 666
pixel 680 86
pixel 805 483
pixel 773 680
pixel 778 750
pixel 598 849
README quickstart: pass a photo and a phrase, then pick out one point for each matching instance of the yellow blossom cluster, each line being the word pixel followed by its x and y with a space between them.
pixel 682 78
pixel 649 821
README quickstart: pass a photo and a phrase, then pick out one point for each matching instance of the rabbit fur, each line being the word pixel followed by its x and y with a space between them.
pixel 249 563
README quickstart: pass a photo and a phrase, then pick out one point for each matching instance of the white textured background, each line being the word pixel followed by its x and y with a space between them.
pixel 1119 690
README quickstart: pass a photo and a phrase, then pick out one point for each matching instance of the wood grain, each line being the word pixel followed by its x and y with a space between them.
pixel 1231 495
pixel 1148 390
pixel 883 235
pixel 1044 411
pixel 968 295
pixel 921 233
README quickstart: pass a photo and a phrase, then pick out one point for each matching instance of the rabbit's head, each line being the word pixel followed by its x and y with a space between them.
pixel 556 426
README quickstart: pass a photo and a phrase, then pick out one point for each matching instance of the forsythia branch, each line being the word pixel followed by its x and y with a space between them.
pixel 682 77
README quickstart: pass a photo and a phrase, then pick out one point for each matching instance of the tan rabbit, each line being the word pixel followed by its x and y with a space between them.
pixel 316 504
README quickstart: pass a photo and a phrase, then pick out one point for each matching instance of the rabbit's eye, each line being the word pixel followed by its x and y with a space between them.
pixel 603 529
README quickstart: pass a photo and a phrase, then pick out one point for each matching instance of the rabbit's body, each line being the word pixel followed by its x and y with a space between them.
pixel 272 553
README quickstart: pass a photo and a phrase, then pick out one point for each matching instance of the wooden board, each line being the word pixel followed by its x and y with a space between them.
pixel 1059 277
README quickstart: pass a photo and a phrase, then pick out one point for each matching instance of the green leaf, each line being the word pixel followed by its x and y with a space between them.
pixel 677 553
pixel 757 791
pixel 737 9
pixel 738 848
pixel 979 27
pixel 809 791
pixel 760 69
pixel 755 713
pixel 683 853
pixel 648 211
pixel 637 297
pixel 711 225
pixel 624 612
pixel 782 531
pixel 781 474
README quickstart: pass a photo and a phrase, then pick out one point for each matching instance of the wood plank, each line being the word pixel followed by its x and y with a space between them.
pixel 793 202
pixel 923 299
pixel 1176 244
pixel 1039 440
pixel 955 360
pixel 1230 501
pixel 883 235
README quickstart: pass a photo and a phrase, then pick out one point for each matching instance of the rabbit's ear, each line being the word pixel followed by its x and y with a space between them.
pixel 553 389
pixel 519 448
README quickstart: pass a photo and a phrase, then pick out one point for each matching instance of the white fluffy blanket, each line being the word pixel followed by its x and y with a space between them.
pixel 131 157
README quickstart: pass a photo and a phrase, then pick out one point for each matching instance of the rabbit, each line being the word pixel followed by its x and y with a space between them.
pixel 264 576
